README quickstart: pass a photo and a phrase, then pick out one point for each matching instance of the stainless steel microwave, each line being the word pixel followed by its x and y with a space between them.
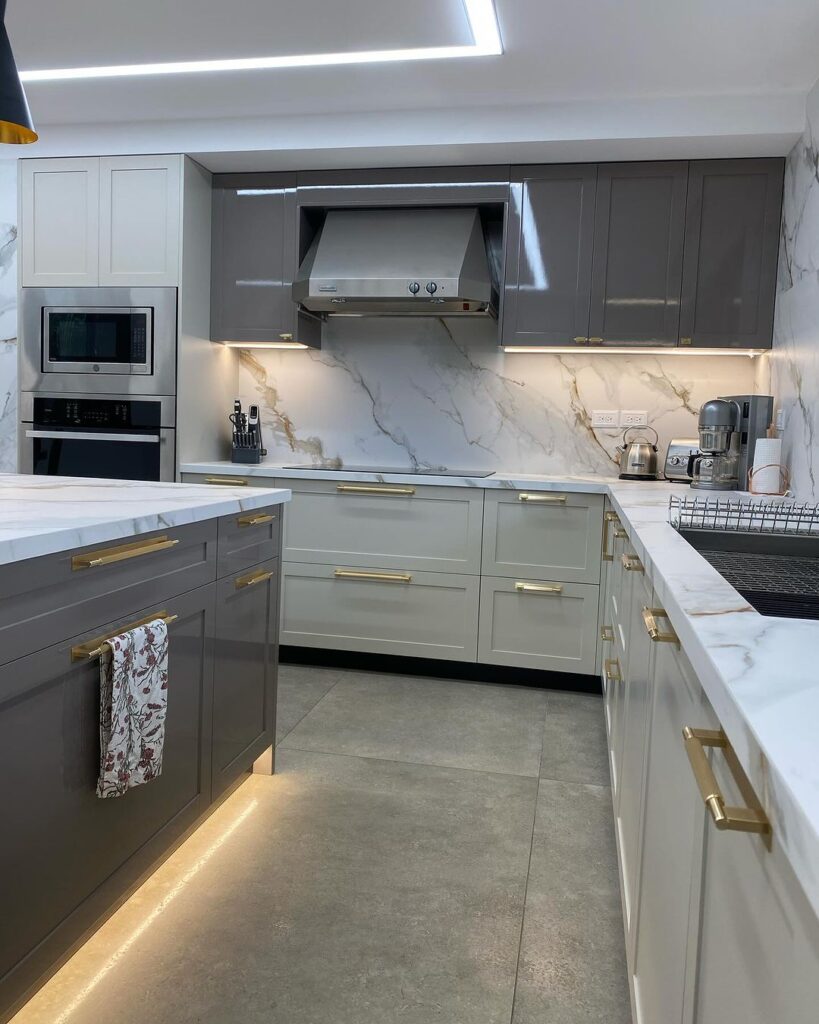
pixel 99 340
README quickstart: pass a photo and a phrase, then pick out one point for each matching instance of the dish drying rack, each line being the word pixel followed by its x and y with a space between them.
pixel 778 517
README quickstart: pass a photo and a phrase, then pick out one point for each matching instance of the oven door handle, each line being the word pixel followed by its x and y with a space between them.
pixel 76 435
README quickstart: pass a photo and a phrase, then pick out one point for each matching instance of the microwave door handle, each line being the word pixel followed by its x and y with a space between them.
pixel 75 435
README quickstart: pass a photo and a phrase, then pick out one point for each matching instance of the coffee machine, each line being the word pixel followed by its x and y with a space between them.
pixel 729 428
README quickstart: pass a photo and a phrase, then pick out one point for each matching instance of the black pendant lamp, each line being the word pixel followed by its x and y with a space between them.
pixel 16 125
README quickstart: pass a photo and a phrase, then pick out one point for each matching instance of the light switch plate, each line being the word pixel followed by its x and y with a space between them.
pixel 633 418
pixel 605 417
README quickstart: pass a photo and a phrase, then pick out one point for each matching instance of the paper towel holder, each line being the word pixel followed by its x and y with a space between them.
pixel 784 479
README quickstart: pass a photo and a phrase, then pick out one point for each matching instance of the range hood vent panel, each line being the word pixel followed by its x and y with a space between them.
pixel 379 262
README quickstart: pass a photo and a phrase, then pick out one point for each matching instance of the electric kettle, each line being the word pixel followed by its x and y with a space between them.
pixel 638 458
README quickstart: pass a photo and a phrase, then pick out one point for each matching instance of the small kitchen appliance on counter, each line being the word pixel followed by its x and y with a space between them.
pixel 729 429
pixel 677 455
pixel 247 447
pixel 638 458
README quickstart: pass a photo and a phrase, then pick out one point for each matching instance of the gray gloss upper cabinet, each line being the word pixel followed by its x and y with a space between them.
pixel 549 255
pixel 253 258
pixel 638 253
pixel 731 250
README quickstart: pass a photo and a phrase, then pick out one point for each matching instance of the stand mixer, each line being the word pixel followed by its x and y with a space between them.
pixel 728 431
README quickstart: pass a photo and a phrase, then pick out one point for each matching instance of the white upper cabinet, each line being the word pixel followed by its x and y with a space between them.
pixel 140 220
pixel 87 222
pixel 59 231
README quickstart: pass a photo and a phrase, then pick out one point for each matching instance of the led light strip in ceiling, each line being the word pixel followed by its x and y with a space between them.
pixel 483 23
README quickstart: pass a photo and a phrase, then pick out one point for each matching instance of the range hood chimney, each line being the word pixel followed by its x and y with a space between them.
pixel 398 262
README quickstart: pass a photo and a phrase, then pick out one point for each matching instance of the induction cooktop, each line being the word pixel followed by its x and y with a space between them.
pixel 479 474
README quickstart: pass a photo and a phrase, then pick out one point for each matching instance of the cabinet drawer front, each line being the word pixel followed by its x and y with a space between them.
pixel 437 529
pixel 553 628
pixel 543 535
pixel 248 538
pixel 427 615
pixel 55 596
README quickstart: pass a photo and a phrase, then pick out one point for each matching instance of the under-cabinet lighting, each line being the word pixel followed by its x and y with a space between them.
pixel 750 353
pixel 483 24
pixel 264 344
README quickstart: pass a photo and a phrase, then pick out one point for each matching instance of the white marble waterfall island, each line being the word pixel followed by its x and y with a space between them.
pixel 81 561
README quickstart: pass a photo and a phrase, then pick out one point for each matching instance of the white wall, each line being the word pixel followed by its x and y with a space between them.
pixel 8 316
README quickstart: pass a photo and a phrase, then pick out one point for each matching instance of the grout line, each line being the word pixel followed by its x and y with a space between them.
pixel 576 782
pixel 278 743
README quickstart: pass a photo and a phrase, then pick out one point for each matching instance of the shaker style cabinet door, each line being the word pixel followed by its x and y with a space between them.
pixel 251 274
pixel 638 253
pixel 731 252
pixel 549 255
pixel 140 220
pixel 59 230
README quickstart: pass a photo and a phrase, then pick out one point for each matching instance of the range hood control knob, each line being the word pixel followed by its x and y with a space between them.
pixel 432 287
pixel 414 287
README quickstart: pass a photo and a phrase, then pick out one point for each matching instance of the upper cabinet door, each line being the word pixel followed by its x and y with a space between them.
pixel 549 255
pixel 731 251
pixel 638 253
pixel 140 220
pixel 59 235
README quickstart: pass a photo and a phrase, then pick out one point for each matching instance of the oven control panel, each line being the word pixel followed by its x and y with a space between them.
pixel 103 413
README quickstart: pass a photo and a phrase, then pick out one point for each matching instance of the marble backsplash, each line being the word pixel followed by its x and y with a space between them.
pixel 441 394
pixel 795 356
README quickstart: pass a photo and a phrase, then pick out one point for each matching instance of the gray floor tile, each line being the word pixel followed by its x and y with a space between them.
pixel 574 739
pixel 572 966
pixel 353 892
pixel 428 721
pixel 301 687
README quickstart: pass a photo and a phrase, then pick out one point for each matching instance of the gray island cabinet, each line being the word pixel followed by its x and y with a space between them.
pixel 68 858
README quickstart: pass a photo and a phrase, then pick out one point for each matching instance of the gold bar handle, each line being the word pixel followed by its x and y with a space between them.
pixel 620 533
pixel 631 563
pixel 375 489
pixel 121 552
pixel 253 578
pixel 610 517
pixel 581 339
pixel 537 588
pixel 375 577
pixel 595 341
pixel 254 520
pixel 734 819
pixel 94 648
pixel 226 481
pixel 543 499
pixel 611 667
pixel 607 634
pixel 650 616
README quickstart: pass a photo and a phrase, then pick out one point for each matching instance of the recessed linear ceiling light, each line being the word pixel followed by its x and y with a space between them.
pixel 482 22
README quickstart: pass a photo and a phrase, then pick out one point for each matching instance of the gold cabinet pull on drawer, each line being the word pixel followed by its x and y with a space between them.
pixel 543 499
pixel 650 616
pixel 607 634
pixel 631 563
pixel 620 533
pixel 253 578
pixel 735 819
pixel 254 520
pixel 94 648
pixel 611 667
pixel 226 481
pixel 122 552
pixel 610 517
pixel 406 492
pixel 374 577
pixel 537 588
pixel 581 340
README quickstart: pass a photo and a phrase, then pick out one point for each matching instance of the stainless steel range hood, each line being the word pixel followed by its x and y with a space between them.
pixel 398 262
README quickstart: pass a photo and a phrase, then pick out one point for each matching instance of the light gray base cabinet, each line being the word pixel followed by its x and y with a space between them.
pixel 69 857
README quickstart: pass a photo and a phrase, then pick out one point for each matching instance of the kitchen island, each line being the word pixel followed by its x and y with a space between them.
pixel 81 560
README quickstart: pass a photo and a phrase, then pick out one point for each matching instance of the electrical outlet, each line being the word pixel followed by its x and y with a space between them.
pixel 605 417
pixel 633 418
pixel 780 419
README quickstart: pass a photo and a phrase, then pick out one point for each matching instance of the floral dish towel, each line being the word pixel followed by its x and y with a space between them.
pixel 133 702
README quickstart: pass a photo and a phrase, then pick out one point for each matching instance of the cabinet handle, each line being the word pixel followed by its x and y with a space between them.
pixel 650 616
pixel 121 552
pixel 611 667
pixel 607 634
pixel 375 577
pixel 248 581
pixel 94 648
pixel 631 563
pixel 254 520
pixel 537 588
pixel 610 517
pixel 685 341
pixel 620 533
pixel 226 481
pixel 374 489
pixel 581 340
pixel 735 819
pixel 595 341
pixel 286 336
pixel 543 499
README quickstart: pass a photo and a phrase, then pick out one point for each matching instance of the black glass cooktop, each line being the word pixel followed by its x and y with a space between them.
pixel 479 474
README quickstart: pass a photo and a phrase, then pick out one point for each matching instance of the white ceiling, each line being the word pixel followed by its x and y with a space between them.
pixel 579 79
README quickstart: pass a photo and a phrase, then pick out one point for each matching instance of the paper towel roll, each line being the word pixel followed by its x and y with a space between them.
pixel 767 476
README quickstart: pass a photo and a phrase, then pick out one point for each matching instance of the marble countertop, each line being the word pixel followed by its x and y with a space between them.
pixel 40 515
